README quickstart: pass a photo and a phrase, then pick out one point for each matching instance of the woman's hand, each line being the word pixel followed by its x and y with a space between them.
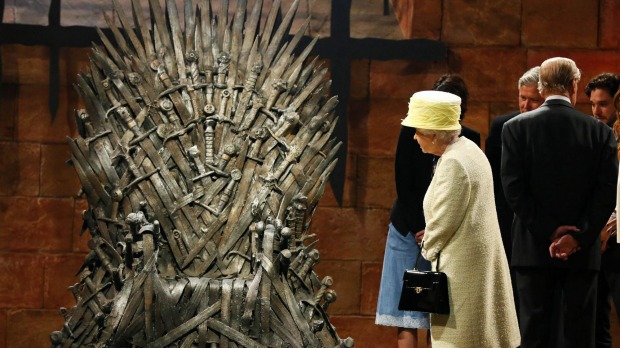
pixel 419 236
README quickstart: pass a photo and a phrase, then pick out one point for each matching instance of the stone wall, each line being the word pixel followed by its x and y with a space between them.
pixel 490 44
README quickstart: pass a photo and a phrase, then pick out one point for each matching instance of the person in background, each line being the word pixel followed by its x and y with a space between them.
pixel 413 171
pixel 529 99
pixel 454 83
pixel 559 169
pixel 601 90
pixel 463 231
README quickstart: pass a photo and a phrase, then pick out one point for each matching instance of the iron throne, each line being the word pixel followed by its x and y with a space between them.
pixel 203 153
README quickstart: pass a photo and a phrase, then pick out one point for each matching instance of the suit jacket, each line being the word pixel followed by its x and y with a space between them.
pixel 559 167
pixel 493 149
pixel 470 134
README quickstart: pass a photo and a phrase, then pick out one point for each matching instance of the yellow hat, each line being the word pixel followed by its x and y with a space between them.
pixel 434 110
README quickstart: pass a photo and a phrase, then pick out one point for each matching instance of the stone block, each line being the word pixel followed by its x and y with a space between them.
pixel 346 275
pixel 371 281
pixel 8 111
pixel 364 331
pixel 491 74
pixel 34 121
pixel 32 328
pixel 419 18
pixel 36 224
pixel 609 31
pixel 348 198
pixel 350 234
pixel 477 117
pixel 374 126
pixel 74 60
pixel 481 23
pixel 21 280
pixel 80 241
pixel 375 182
pixel 57 177
pixel 25 65
pixel 368 20
pixel 542 27
pixel 59 274
pixel 591 63
pixel 360 79
pixel 20 167
pixel 399 79
pixel 3 325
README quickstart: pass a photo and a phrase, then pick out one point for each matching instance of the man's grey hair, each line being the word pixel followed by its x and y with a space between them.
pixel 557 75
pixel 530 78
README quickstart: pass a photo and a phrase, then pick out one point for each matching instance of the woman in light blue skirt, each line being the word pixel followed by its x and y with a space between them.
pixel 400 254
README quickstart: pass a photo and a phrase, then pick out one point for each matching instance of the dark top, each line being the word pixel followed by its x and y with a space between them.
pixel 493 149
pixel 559 167
pixel 413 174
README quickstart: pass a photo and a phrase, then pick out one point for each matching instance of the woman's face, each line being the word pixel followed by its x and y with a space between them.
pixel 426 141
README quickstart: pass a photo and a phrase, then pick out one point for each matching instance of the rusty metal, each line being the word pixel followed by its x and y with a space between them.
pixel 203 150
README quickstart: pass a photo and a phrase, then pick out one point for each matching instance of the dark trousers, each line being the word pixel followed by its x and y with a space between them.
pixel 538 291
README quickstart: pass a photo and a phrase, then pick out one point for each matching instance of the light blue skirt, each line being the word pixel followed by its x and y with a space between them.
pixel 400 254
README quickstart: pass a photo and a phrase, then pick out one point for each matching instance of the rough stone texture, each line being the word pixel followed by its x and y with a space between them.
pixel 350 234
pixel 375 187
pixel 56 280
pixel 34 121
pixel 419 18
pixel 365 332
pixel 467 22
pixel 36 224
pixel 58 178
pixel 346 275
pixel 32 328
pixel 477 117
pixel 80 241
pixel 8 97
pixel 368 20
pixel 371 279
pixel 400 78
pixel 25 64
pixel 609 31
pixel 572 24
pixel 74 60
pixel 349 193
pixel 21 281
pixel 374 127
pixel 360 69
pixel 3 325
pixel 591 63
pixel 20 165
pixel 486 79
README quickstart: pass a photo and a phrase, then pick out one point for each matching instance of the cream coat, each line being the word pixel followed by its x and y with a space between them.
pixel 461 223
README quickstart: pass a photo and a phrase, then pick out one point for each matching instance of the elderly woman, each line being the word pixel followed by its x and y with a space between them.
pixel 462 226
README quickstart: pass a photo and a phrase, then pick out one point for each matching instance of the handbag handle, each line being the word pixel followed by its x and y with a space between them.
pixel 418 258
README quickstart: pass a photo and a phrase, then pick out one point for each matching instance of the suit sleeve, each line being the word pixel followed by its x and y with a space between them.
pixel 515 181
pixel 603 197
pixel 448 205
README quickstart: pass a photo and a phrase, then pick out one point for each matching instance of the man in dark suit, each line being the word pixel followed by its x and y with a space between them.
pixel 559 170
pixel 529 99
pixel 601 90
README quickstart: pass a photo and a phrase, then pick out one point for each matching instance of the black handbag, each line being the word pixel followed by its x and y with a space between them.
pixel 424 291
